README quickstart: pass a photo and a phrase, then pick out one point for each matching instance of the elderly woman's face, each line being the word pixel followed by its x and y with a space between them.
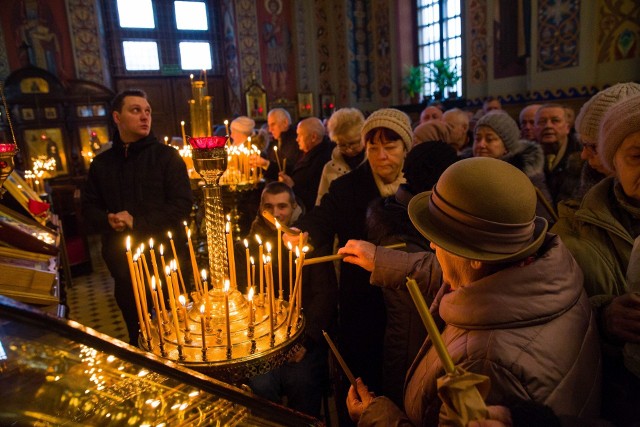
pixel 487 143
pixel 627 164
pixel 385 157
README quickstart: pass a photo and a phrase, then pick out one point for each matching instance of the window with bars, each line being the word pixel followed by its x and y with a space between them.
pixel 164 37
pixel 440 37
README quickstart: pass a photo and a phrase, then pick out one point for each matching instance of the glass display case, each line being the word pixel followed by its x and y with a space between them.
pixel 58 372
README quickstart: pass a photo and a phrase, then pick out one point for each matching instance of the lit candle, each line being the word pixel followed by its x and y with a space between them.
pixel 172 305
pixel 279 241
pixel 261 261
pixel 296 300
pixel 164 266
pixel 203 273
pixel 141 288
pixel 174 279
pixel 275 151
pixel 135 289
pixel 194 264
pixel 248 257
pixel 267 266
pixel 175 257
pixel 154 296
pixel 184 134
pixel 154 264
pixel 226 126
pixel 253 272
pixel 228 321
pixel 230 255
pixel 183 303
pixel 202 328
pixel 166 140
pixel 250 298
pixel 290 270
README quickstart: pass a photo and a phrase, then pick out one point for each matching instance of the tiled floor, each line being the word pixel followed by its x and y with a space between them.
pixel 91 301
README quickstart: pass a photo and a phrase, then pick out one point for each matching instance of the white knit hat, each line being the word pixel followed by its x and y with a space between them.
pixel 243 124
pixel 393 119
pixel 622 119
pixel 593 111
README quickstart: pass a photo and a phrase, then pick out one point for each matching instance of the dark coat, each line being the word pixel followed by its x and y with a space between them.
pixel 565 177
pixel 287 149
pixel 362 318
pixel 307 172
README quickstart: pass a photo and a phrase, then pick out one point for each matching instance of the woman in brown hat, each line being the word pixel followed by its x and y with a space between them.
pixel 604 237
pixel 512 303
pixel 388 137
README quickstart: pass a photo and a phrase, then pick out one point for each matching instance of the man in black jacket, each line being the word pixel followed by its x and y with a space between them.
pixel 139 187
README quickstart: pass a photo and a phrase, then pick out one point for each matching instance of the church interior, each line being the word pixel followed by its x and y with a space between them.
pixel 204 64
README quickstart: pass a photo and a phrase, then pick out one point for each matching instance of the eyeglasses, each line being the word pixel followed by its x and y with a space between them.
pixel 345 146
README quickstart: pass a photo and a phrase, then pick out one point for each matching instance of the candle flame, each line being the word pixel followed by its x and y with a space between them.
pixel 227 227
pixel 167 270
pixel 297 251
pixel 226 285
pixel 202 309
pixel 226 122
pixel 135 257
pixel 246 243
pixel 184 223
pixel 161 249
pixel 182 300
pixel 141 247
pixel 275 148
pixel 250 296
pixel 203 273
pixel 173 264
pixel 169 234
pixel 182 123
pixel 252 260
pixel 268 245
pixel 277 224
pixel 258 239
pixel 153 282
pixel 305 249
pixel 289 246
pixel 128 244
pixel 151 243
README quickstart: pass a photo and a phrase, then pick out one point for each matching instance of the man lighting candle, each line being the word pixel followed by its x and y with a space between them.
pixel 138 187
pixel 305 375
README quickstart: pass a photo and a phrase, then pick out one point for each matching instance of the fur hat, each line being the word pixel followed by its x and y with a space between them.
pixel 433 130
pixel 481 209
pixel 593 111
pixel 243 124
pixel 504 126
pixel 622 119
pixel 393 119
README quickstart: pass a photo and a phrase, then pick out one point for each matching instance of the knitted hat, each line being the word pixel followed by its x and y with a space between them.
pixel 593 111
pixel 433 130
pixel 426 162
pixel 243 124
pixel 621 120
pixel 393 119
pixel 481 209
pixel 504 126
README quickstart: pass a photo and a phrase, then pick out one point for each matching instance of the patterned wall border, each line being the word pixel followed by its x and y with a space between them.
pixel 619 30
pixel 542 96
pixel 231 61
pixel 322 8
pixel 558 34
pixel 5 70
pixel 248 40
pixel 341 61
pixel 87 41
pixel 477 65
pixel 303 60
pixel 360 65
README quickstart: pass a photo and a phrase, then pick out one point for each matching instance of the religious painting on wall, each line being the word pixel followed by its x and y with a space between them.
pixel 93 139
pixel 36 34
pixel 511 34
pixel 45 151
pixel 305 104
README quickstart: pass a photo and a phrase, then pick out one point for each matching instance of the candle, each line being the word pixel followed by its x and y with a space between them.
pixel 340 360
pixel 430 325
pixel 164 266
pixel 296 299
pixel 230 255
pixel 228 321
pixel 226 126
pixel 172 305
pixel 261 261
pixel 290 270
pixel 194 264
pixel 250 298
pixel 279 241
pixel 175 257
pixel 275 150
pixel 253 272
pixel 202 329
pixel 141 289
pixel 267 266
pixel 166 140
pixel 174 279
pixel 144 263
pixel 184 134
pixel 154 264
pixel 154 297
pixel 183 303
pixel 203 273
pixel 248 257
pixel 135 289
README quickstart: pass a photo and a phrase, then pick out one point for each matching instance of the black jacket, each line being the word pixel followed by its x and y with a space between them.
pixel 287 149
pixel 307 172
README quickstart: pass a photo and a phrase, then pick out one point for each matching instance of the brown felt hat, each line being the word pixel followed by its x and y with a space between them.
pixel 482 209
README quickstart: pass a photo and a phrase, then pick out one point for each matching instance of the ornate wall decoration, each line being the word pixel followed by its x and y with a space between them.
pixel 381 50
pixel 619 30
pixel 477 13
pixel 341 52
pixel 544 96
pixel 232 63
pixel 360 65
pixel 5 70
pixel 248 40
pixel 558 34
pixel 302 48
pixel 87 41
pixel 323 45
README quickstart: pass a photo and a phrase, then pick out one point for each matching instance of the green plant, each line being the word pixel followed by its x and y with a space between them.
pixel 413 81
pixel 442 74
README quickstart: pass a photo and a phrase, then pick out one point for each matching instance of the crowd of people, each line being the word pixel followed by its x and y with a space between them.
pixel 523 237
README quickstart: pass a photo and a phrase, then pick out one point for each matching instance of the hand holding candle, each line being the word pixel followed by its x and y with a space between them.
pixel 340 360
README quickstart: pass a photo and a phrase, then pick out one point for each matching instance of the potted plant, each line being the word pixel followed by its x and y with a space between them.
pixel 442 74
pixel 413 82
